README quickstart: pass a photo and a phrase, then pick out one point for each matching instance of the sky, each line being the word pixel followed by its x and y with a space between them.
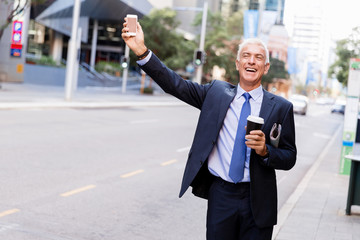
pixel 342 15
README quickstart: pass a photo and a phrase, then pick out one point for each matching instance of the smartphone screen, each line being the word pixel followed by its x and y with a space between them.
pixel 132 20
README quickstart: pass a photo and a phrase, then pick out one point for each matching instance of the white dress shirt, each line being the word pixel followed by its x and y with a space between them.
pixel 220 156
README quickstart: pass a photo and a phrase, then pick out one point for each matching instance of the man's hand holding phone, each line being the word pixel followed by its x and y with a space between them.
pixel 132 24
pixel 133 35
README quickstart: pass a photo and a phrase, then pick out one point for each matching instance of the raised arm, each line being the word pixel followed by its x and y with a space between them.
pixel 136 43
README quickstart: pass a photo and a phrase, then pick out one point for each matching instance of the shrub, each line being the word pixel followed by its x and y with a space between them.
pixel 108 67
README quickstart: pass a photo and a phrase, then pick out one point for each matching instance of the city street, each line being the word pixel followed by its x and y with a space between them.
pixel 115 173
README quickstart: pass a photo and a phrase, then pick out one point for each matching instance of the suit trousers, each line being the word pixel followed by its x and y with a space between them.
pixel 229 215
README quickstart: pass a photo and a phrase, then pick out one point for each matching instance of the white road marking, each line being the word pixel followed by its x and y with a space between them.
pixel 184 149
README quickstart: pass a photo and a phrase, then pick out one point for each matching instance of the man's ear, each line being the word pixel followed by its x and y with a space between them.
pixel 267 67
pixel 236 64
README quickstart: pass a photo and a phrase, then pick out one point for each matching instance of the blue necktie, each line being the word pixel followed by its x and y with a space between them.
pixel 237 163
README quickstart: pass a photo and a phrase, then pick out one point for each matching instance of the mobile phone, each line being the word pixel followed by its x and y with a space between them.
pixel 132 24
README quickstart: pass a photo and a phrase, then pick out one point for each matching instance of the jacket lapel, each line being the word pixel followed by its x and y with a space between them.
pixel 225 102
pixel 267 106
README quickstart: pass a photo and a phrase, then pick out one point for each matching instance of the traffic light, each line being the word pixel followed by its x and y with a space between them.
pixel 124 62
pixel 199 58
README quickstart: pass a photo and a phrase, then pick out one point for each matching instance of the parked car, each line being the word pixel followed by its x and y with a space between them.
pixel 338 107
pixel 300 104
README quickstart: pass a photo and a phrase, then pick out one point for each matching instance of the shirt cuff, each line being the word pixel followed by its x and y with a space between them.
pixel 145 60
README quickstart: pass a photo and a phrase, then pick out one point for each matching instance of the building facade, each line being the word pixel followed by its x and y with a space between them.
pixel 311 38
pixel 13 44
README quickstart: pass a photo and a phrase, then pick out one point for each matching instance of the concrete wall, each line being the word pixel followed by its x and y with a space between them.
pixel 12 68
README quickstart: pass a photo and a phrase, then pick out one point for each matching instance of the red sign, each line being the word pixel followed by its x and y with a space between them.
pixel 16 37
pixel 17 32
pixel 16 46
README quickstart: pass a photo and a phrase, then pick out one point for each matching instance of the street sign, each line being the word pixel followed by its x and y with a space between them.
pixel 351 115
pixel 16 38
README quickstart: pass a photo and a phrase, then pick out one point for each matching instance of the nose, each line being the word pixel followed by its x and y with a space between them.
pixel 252 59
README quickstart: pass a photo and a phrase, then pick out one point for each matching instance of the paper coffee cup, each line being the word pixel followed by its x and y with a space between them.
pixel 254 123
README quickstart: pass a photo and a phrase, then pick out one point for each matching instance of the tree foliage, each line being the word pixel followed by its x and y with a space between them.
pixel 220 47
pixel 277 70
pixel 345 49
pixel 161 37
pixel 18 9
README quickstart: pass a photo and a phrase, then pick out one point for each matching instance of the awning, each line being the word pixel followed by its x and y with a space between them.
pixel 58 16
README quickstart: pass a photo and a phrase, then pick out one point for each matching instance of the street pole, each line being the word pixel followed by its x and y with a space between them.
pixel 72 53
pixel 94 43
pixel 125 73
pixel 77 59
pixel 199 69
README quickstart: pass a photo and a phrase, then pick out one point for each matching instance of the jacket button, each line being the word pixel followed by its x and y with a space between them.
pixel 213 142
pixel 201 162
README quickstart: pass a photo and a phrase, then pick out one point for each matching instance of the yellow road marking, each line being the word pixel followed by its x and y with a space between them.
pixel 8 212
pixel 130 174
pixel 78 190
pixel 169 162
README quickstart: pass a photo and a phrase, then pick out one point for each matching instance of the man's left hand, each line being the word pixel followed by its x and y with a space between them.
pixel 256 141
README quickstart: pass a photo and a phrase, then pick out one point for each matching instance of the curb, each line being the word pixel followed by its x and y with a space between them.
pixel 54 105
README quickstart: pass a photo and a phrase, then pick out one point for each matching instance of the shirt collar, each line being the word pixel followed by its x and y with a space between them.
pixel 255 93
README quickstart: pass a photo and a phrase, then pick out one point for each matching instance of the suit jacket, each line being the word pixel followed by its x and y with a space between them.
pixel 213 100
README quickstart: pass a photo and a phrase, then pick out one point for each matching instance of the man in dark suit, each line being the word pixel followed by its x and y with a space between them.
pixel 237 176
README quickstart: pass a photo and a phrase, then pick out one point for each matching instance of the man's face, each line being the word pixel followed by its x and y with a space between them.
pixel 251 66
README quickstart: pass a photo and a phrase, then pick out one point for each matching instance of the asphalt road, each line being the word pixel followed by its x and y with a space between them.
pixel 115 173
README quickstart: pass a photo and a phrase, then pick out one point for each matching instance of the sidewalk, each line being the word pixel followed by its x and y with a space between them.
pixel 17 96
pixel 316 210
pixel 43 87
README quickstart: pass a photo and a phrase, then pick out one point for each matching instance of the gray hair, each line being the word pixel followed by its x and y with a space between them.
pixel 255 41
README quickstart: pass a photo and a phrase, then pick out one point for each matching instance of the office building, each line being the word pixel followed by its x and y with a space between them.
pixel 310 37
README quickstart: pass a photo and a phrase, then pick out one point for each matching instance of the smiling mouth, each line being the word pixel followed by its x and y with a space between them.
pixel 250 69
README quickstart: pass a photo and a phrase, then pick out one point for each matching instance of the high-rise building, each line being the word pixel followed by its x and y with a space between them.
pixel 228 7
pixel 278 6
pixel 307 25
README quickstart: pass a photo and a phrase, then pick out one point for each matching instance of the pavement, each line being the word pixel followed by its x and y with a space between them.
pixel 19 96
pixel 315 210
pixel 43 87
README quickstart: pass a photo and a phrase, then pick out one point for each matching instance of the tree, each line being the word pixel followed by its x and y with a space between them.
pixel 345 49
pixel 219 47
pixel 12 13
pixel 15 9
pixel 161 37
pixel 234 25
pixel 277 70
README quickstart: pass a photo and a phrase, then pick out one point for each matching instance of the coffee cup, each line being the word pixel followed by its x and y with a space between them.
pixel 254 123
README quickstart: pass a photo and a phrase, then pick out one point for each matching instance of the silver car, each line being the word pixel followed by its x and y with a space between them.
pixel 300 103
